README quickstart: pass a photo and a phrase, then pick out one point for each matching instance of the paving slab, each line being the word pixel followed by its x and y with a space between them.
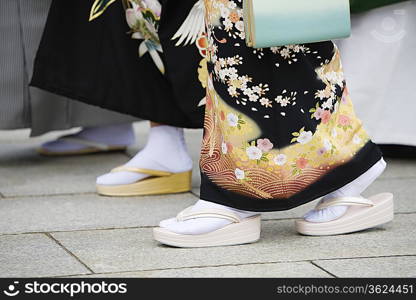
pixel 276 270
pixel 35 255
pixel 400 168
pixel 404 191
pixel 23 136
pixel 196 191
pixel 82 212
pixel 24 172
pixel 8 136
pixel 134 249
pixel 402 266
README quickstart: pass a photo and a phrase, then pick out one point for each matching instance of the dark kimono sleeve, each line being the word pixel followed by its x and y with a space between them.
pixel 98 63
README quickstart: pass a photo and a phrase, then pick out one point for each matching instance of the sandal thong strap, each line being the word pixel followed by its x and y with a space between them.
pixel 347 201
pixel 142 171
pixel 85 142
pixel 188 214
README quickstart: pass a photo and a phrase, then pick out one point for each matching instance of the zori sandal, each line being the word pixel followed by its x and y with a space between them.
pixel 241 231
pixel 361 214
pixel 90 148
pixel 159 182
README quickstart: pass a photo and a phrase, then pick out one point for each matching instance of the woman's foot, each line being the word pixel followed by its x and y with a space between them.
pixel 91 140
pixel 353 189
pixel 362 214
pixel 165 151
pixel 345 211
pixel 203 225
pixel 208 224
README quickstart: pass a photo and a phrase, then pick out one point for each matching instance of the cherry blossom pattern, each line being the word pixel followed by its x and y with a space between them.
pixel 227 16
pixel 302 137
pixel 235 120
pixel 143 17
pixel 280 159
pixel 240 174
pixel 291 53
pixel 300 164
pixel 259 151
pixel 318 113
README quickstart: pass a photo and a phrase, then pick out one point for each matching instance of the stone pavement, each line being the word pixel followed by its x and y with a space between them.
pixel 52 224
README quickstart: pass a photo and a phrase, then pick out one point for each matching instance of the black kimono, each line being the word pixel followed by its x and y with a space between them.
pixel 99 63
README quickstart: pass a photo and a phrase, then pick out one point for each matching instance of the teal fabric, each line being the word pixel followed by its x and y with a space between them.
pixel 283 22
pixel 364 5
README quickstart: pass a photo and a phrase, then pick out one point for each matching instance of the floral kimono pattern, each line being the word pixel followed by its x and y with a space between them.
pixel 280 128
pixel 143 17
pixel 138 57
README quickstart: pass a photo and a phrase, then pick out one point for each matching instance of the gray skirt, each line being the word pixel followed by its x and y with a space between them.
pixel 21 106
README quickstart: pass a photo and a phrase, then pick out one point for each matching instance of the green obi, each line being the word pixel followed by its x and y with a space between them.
pixel 364 5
